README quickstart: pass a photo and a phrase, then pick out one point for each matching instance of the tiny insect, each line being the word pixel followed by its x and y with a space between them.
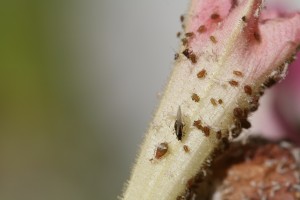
pixel 238 73
pixel 215 16
pixel 161 150
pixel 213 39
pixel 187 53
pixel 234 83
pixel 238 112
pixel 202 73
pixel 195 97
pixel 201 29
pixel 181 18
pixel 219 135
pixel 220 101
pixel 176 56
pixel 193 58
pixel 248 90
pixel 244 18
pixel 178 126
pixel 190 34
pixel 186 148
pixel 213 102
pixel 178 34
pixel 206 131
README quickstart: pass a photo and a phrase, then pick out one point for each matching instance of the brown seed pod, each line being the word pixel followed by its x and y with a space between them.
pixel 213 39
pixel 202 73
pixel 195 97
pixel 238 73
pixel 202 29
pixel 213 102
pixel 186 148
pixel 248 90
pixel 161 150
pixel 233 83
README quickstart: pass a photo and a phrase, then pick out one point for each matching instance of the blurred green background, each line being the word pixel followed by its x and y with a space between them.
pixel 78 85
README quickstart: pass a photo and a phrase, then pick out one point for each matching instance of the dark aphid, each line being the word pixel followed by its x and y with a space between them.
pixel 238 73
pixel 184 41
pixel 213 102
pixel 219 135
pixel 193 58
pixel 176 56
pixel 186 148
pixel 202 29
pixel 161 150
pixel 197 124
pixel 257 36
pixel 178 34
pixel 254 103
pixel 206 131
pixel 233 83
pixel 215 16
pixel 195 97
pixel 238 112
pixel 245 123
pixel 248 90
pixel 202 73
pixel 178 126
pixel 220 101
pixel 187 53
pixel 244 18
pixel 190 34
pixel 213 39
pixel 235 132
pixel 181 18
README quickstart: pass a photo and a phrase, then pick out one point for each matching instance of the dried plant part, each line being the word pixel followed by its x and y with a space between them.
pixel 260 49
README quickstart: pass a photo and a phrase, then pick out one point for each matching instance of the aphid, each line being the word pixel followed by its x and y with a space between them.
pixel 248 90
pixel 233 83
pixel 244 18
pixel 184 41
pixel 193 58
pixel 206 131
pixel 201 29
pixel 195 97
pixel 220 101
pixel 213 39
pixel 238 73
pixel 187 53
pixel 202 73
pixel 213 102
pixel 215 16
pixel 235 132
pixel 245 123
pixel 257 36
pixel 219 135
pixel 176 56
pixel 238 113
pixel 161 150
pixel 190 34
pixel 178 126
pixel 253 103
pixel 186 148
pixel 181 18
pixel 178 34
pixel 197 124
